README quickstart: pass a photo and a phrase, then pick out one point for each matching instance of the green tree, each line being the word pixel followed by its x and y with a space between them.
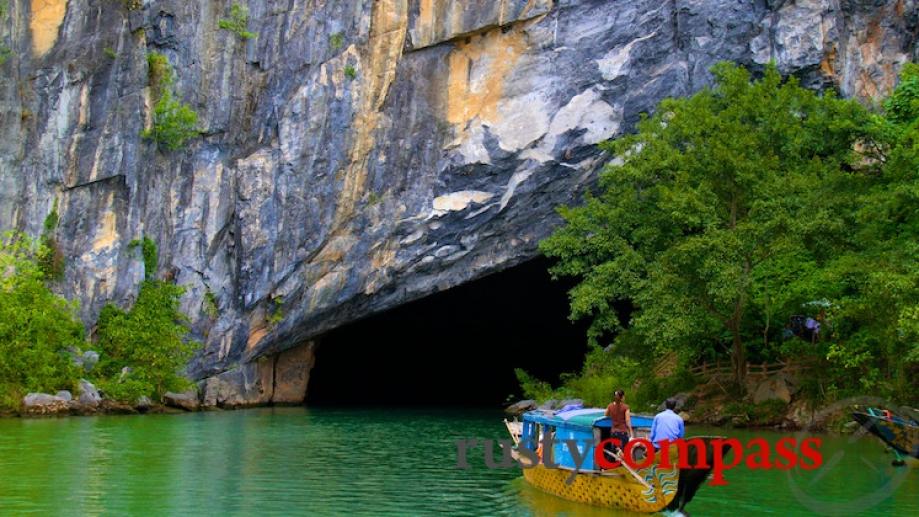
pixel 717 202
pixel 174 122
pixel 149 339
pixel 238 22
pixel 50 257
pixel 36 326
pixel 875 282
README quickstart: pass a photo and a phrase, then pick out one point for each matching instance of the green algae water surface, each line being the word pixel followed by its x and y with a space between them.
pixel 366 462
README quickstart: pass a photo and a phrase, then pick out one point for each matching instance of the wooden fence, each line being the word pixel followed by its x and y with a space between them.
pixel 721 369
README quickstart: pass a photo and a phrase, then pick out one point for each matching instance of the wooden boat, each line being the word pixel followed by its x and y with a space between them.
pixel 900 432
pixel 647 490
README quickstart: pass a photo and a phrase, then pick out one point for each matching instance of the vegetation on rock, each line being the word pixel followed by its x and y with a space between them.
pixel 143 349
pixel 174 123
pixel 150 254
pixel 238 22
pixel 350 72
pixel 50 258
pixel 36 325
pixel 336 40
pixel 736 209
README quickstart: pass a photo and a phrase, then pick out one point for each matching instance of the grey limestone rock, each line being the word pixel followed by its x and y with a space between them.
pixel 360 154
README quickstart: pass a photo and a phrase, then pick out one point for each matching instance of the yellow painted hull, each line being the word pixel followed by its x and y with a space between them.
pixel 611 489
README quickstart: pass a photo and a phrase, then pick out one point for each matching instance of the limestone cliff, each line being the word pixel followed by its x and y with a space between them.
pixel 358 154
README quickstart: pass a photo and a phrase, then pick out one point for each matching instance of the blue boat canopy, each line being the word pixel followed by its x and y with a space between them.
pixel 586 427
pixel 585 418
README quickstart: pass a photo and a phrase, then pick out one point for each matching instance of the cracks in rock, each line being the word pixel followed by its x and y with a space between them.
pixel 68 188
pixel 453 39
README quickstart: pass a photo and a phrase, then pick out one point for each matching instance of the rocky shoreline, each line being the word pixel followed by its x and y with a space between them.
pixel 90 402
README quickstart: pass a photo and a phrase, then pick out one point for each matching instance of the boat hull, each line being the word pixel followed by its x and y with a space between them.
pixel 900 435
pixel 611 489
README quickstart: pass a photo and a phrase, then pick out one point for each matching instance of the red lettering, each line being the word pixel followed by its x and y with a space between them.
pixel 762 454
pixel 600 454
pixel 683 453
pixel 718 465
pixel 630 460
pixel 785 448
pixel 812 454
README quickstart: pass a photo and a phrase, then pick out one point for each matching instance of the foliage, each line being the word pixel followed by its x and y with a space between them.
pixel 36 326
pixel 719 199
pixel 277 312
pixel 743 205
pixel 174 122
pixel 50 258
pixel 149 339
pixel 874 284
pixel 110 53
pixel 350 72
pixel 237 22
pixel 39 328
pixel 5 54
pixel 336 40
pixel 604 372
pixel 150 253
pixel 532 387
pixel 160 75
pixel 210 305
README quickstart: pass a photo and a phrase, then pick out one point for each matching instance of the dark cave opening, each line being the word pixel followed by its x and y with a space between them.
pixel 458 347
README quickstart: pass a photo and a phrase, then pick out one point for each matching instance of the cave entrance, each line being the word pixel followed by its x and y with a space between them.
pixel 458 347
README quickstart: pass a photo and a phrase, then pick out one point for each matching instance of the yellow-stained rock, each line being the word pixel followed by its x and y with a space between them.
pixel 377 71
pixel 478 70
pixel 292 374
pixel 45 21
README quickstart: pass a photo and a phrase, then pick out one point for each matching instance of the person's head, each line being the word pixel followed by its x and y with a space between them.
pixel 618 395
pixel 670 404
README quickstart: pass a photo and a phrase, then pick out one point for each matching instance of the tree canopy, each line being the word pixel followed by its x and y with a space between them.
pixel 732 210
pixel 36 325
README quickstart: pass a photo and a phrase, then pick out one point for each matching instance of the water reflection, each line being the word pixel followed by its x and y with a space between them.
pixel 362 462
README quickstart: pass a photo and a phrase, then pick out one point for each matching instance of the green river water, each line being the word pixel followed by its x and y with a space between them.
pixel 366 462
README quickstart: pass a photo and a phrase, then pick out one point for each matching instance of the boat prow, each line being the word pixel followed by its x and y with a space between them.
pixel 900 433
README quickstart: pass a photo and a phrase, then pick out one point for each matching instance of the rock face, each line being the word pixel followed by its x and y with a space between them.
pixel 520 407
pixel 89 395
pixel 187 400
pixel 359 154
pixel 778 387
pixel 279 379
pixel 44 404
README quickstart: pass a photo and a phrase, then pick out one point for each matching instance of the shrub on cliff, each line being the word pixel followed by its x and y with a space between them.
pixel 36 326
pixel 174 122
pixel 143 349
pixel 50 257
pixel 238 22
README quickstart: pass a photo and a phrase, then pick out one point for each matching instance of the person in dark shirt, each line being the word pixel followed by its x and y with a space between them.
pixel 621 419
